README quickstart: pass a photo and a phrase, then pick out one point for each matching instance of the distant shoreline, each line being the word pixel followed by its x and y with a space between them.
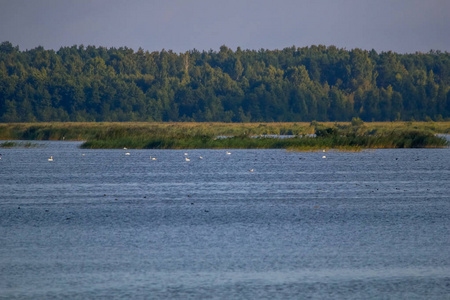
pixel 353 135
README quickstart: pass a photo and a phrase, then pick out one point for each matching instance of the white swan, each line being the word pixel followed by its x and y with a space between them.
pixel 187 159
pixel 152 158
pixel 228 153
pixel 127 153
pixel 51 158
pixel 324 156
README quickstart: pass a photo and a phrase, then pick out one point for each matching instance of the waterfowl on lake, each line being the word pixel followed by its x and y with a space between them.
pixel 187 159
pixel 324 156
pixel 127 153
pixel 51 158
pixel 228 153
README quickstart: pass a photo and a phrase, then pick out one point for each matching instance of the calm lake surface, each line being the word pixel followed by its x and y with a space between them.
pixel 103 224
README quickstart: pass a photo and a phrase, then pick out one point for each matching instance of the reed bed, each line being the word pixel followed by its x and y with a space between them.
pixel 140 135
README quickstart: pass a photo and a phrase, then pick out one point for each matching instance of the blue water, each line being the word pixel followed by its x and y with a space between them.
pixel 102 224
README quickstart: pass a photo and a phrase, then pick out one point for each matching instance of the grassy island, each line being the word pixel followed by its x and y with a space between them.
pixel 353 135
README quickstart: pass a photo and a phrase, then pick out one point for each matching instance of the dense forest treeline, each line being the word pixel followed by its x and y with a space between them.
pixel 294 84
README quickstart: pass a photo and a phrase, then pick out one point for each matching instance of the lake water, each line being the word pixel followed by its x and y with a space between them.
pixel 103 224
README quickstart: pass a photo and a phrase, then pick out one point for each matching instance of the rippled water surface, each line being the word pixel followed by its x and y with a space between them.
pixel 103 224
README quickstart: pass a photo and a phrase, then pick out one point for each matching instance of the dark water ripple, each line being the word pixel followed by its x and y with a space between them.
pixel 102 224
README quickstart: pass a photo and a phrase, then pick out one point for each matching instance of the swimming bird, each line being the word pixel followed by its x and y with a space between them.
pixel 228 153
pixel 187 159
pixel 201 157
pixel 125 148
pixel 127 153
pixel 51 158
pixel 152 158
pixel 251 170
pixel 185 154
pixel 324 156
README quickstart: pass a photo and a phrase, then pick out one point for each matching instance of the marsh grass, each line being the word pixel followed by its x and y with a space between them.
pixel 338 135
pixel 8 144
pixel 337 140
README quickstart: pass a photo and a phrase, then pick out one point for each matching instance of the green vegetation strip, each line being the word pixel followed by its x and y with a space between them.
pixel 349 136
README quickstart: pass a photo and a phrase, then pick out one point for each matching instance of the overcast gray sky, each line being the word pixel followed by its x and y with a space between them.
pixel 397 25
